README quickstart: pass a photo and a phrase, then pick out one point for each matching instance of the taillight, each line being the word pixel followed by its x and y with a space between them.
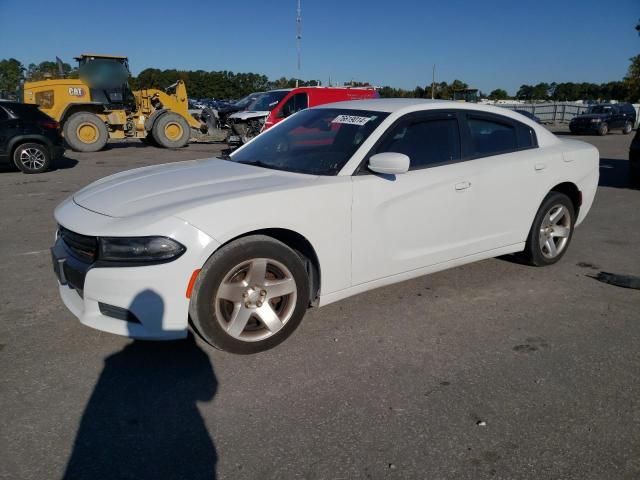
pixel 51 124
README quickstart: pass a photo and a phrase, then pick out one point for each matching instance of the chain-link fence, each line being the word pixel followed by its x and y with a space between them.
pixel 561 112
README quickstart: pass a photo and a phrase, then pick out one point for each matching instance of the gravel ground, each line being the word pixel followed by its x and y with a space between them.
pixel 491 370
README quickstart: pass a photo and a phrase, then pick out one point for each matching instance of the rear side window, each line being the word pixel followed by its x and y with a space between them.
pixel 489 137
pixel 27 112
pixel 427 142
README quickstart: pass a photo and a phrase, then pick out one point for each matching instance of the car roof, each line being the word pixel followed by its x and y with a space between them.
pixel 401 106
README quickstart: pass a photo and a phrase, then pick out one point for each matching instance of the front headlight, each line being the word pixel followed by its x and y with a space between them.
pixel 596 120
pixel 139 249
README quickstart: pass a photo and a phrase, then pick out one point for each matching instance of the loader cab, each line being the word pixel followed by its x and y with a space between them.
pixel 107 77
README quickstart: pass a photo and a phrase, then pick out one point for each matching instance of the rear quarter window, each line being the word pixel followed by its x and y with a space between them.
pixel 27 112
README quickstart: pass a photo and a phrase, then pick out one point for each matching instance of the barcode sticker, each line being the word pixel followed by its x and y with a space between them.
pixel 351 120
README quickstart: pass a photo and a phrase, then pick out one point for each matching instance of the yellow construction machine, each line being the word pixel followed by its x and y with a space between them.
pixel 100 105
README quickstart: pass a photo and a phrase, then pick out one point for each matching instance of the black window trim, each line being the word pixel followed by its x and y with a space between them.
pixel 463 130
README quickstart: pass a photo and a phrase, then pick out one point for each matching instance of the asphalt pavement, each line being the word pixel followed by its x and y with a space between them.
pixel 490 370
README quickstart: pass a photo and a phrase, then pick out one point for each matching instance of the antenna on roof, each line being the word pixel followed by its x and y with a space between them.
pixel 298 36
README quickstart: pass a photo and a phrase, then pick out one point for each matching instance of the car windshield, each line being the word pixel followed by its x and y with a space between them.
pixel 267 101
pixel 318 141
pixel 244 102
pixel 600 109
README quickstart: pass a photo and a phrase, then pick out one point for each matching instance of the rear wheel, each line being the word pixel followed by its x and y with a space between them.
pixel 32 158
pixel 86 132
pixel 603 129
pixel 551 231
pixel 627 128
pixel 171 131
pixel 250 295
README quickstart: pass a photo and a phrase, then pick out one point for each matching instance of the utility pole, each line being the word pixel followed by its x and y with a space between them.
pixel 433 82
pixel 298 36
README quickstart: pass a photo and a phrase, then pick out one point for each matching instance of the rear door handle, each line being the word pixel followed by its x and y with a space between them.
pixel 463 185
pixel 540 166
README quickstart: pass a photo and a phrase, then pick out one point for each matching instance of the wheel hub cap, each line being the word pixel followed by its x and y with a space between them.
pixel 255 299
pixel 555 231
pixel 32 158
pixel 87 133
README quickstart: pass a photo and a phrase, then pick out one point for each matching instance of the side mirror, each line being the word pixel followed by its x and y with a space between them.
pixel 390 163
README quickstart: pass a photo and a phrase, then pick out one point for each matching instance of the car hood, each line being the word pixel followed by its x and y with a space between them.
pixel 171 188
pixel 249 114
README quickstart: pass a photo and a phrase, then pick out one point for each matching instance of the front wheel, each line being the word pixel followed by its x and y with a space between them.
pixel 551 231
pixel 603 129
pixel 171 131
pixel 250 295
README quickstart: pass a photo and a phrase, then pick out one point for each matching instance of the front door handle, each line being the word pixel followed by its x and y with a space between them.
pixel 463 185
pixel 540 166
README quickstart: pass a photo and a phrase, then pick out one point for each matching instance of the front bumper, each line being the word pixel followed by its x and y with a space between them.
pixel 584 127
pixel 143 302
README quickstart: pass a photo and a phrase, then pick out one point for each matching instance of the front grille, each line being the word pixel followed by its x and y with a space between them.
pixel 82 247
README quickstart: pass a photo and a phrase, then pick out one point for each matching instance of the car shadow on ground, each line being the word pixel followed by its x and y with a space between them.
pixel 61 163
pixel 142 419
pixel 616 173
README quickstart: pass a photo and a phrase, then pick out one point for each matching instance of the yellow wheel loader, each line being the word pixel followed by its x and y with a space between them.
pixel 100 105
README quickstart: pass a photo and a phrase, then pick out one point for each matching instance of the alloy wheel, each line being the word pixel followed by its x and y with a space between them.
pixel 555 231
pixel 255 299
pixel 32 158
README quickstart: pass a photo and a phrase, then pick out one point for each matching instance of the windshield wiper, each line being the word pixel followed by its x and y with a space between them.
pixel 224 156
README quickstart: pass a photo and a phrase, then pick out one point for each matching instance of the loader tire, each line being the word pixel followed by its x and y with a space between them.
pixel 85 132
pixel 171 131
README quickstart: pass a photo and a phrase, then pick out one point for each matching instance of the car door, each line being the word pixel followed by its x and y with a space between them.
pixel 416 219
pixel 616 117
pixel 506 172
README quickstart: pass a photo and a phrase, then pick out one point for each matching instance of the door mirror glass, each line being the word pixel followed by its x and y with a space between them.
pixel 390 163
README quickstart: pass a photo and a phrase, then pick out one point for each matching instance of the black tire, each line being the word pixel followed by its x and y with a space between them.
pixel 97 136
pixel 533 251
pixel 171 130
pixel 32 158
pixel 202 308
pixel 627 129
pixel 603 129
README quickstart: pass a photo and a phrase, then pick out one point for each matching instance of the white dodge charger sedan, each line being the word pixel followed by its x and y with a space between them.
pixel 331 202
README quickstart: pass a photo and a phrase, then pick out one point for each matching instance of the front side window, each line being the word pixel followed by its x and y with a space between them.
pixel 316 141
pixel 427 142
pixel 489 137
pixel 296 103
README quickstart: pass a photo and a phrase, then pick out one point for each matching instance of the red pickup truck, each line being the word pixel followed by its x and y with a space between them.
pixel 276 105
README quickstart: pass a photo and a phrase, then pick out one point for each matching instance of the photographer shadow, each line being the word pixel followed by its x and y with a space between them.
pixel 142 420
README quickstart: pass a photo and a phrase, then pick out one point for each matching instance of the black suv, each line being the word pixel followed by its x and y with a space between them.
pixel 602 118
pixel 29 139
pixel 634 159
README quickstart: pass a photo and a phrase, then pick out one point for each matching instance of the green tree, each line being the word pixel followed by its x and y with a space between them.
pixel 499 94
pixel 632 80
pixel 10 75
pixel 49 69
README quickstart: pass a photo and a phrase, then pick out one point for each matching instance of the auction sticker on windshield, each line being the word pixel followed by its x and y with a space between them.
pixel 351 119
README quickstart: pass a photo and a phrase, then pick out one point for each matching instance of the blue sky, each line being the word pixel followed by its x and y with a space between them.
pixel 489 45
